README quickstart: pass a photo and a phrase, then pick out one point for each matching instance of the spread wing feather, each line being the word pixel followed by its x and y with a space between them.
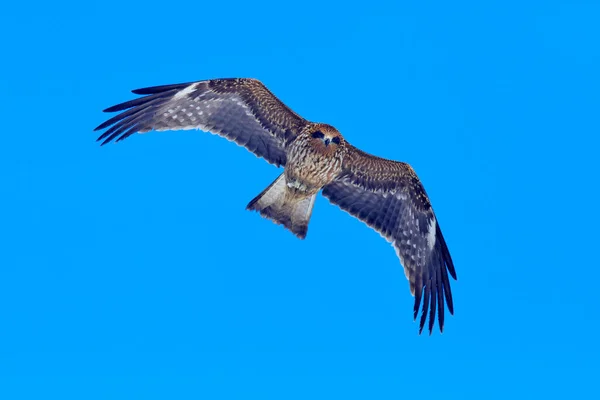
pixel 388 196
pixel 241 110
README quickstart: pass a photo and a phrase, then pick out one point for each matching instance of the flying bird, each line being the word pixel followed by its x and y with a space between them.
pixel 387 195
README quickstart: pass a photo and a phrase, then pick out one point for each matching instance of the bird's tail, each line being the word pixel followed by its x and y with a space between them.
pixel 278 204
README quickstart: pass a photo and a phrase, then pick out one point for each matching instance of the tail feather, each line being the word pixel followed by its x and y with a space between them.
pixel 280 206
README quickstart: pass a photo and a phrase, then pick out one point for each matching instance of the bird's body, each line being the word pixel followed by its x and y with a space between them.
pixel 385 194
pixel 314 162
pixel 314 159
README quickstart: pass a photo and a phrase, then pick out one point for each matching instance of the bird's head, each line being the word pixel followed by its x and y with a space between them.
pixel 325 138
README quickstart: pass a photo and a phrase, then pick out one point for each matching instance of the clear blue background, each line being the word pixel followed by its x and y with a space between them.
pixel 134 271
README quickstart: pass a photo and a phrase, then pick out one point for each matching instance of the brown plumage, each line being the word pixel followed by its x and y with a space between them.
pixel 385 194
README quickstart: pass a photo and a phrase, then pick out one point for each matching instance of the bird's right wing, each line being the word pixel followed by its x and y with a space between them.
pixel 389 197
pixel 241 110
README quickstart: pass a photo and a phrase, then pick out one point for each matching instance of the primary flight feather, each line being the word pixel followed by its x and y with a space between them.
pixel 386 195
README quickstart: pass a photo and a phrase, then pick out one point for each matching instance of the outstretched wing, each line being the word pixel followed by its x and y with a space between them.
pixel 388 196
pixel 241 110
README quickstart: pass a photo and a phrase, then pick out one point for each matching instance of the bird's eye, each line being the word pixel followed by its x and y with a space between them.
pixel 336 140
pixel 318 135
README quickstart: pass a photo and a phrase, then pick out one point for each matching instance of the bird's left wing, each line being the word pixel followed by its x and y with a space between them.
pixel 241 110
pixel 388 196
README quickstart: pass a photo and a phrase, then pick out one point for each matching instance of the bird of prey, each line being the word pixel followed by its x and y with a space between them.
pixel 385 194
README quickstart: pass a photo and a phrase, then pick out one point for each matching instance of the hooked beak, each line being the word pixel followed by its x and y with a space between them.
pixel 327 141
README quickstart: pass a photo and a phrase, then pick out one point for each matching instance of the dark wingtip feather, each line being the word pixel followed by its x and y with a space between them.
pixel 103 125
pixel 418 295
pixel 118 107
pixel 426 297
pixel 124 130
pixel 107 140
pixel 447 289
pixel 440 300
pixel 160 89
pixel 108 132
pixel 125 105
pixel 130 132
pixel 446 253
pixel 432 310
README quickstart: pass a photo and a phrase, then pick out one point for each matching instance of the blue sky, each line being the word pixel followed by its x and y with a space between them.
pixel 134 271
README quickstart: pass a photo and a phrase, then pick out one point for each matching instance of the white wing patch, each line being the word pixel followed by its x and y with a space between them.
pixel 185 91
pixel 431 233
